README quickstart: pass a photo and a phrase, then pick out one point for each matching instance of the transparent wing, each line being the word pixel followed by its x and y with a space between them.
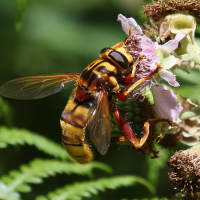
pixel 36 87
pixel 99 126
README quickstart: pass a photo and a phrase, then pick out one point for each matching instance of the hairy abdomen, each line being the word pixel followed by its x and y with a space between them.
pixel 74 120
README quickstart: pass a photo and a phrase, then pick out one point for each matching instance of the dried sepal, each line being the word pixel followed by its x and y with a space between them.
pixel 161 8
pixel 174 17
pixel 173 24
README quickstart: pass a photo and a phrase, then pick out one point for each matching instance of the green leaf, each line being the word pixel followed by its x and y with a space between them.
pixel 16 136
pixel 34 180
pixel 188 114
pixel 191 78
pixel 21 7
pixel 23 188
pixel 5 194
pixel 155 198
pixel 41 198
pixel 190 92
pixel 39 169
pixel 86 189
pixel 5 112
pixel 154 165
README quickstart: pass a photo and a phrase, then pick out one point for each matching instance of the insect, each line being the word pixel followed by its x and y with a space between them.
pixel 88 107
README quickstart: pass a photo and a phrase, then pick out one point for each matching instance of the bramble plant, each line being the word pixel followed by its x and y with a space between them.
pixel 168 45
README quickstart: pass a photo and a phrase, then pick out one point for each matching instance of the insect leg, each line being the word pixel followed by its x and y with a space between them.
pixel 129 134
pixel 147 125
pixel 126 129
pixel 112 80
pixel 119 139
pixel 124 94
pixel 129 78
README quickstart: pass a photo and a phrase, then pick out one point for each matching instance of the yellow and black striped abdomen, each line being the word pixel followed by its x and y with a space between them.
pixel 74 120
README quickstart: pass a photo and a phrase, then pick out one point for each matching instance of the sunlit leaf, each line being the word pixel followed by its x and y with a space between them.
pixel 21 7
pixel 16 136
pixel 79 190
pixel 39 169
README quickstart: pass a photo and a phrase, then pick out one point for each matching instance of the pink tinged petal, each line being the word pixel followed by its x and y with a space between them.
pixel 148 46
pixel 127 23
pixel 166 103
pixel 172 44
pixel 169 77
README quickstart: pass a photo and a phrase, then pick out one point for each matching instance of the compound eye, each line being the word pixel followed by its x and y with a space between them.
pixel 105 50
pixel 119 58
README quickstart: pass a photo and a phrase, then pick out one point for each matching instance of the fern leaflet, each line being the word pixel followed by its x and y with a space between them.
pixel 5 194
pixel 16 136
pixel 86 189
pixel 39 169
pixel 155 198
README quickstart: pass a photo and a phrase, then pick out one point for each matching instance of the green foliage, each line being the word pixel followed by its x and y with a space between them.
pixel 39 169
pixel 16 136
pixel 189 84
pixel 85 189
pixel 21 7
pixel 19 181
pixel 154 165
pixel 5 112
pixel 156 198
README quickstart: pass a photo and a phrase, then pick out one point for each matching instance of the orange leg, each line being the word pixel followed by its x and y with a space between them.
pixel 124 94
pixel 128 80
pixel 129 134
pixel 119 139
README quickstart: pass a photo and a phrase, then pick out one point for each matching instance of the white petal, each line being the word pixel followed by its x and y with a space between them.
pixel 127 23
pixel 169 77
pixel 166 103
pixel 172 44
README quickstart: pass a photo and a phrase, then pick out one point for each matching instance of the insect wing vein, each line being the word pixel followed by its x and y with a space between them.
pixel 36 87
pixel 99 126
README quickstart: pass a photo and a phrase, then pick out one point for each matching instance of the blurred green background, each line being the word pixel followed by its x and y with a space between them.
pixel 64 36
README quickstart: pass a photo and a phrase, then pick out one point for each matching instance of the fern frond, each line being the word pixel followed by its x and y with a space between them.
pixel 86 189
pixel 39 169
pixel 5 194
pixel 155 198
pixel 16 136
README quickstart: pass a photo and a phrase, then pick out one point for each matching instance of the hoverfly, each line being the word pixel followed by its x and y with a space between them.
pixel 88 107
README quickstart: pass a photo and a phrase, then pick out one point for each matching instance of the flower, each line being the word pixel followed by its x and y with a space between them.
pixel 172 18
pixel 153 53
pixel 190 124
pixel 160 9
pixel 169 109
pixel 184 172
pixel 188 131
